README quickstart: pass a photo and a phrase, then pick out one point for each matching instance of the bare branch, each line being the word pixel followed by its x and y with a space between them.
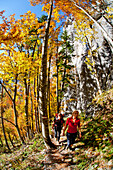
pixel 8 121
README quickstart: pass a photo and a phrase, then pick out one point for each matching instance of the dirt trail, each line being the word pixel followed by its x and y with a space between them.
pixel 59 158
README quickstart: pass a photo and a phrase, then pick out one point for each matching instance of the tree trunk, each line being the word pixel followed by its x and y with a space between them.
pixel 2 121
pixel 37 116
pixel 57 81
pixel 48 91
pixel 35 108
pixel 57 89
pixel 11 140
pixel 26 106
pixel 45 129
pixel 14 107
pixel 15 111
pixel 1 142
pixel 32 125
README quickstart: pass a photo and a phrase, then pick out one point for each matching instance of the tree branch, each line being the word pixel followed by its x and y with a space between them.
pixel 8 121
pixel 6 90
pixel 102 29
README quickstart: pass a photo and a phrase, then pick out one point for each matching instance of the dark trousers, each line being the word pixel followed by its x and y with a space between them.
pixel 71 138
pixel 57 133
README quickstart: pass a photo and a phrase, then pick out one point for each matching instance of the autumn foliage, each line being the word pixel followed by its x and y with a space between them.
pixel 21 44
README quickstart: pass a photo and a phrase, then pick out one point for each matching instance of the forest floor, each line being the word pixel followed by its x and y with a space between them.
pixel 34 156
pixel 80 159
pixel 94 151
pixel 61 158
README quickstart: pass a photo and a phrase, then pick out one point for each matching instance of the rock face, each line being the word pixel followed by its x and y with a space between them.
pixel 89 81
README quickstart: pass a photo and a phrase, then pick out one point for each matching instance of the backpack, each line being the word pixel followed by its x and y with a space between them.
pixel 58 123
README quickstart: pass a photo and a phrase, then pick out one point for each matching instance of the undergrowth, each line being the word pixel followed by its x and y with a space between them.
pixel 97 137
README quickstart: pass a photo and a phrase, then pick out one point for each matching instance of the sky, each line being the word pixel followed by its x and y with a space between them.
pixel 19 7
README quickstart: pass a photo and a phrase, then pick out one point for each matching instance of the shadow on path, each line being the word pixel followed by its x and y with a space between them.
pixel 60 158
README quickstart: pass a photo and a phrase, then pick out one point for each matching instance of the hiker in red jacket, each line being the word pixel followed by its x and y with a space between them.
pixel 73 123
pixel 57 125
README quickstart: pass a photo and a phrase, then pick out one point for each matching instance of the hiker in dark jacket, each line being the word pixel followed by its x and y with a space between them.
pixel 57 125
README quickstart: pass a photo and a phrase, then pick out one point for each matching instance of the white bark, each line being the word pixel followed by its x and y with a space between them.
pixel 45 129
pixel 102 29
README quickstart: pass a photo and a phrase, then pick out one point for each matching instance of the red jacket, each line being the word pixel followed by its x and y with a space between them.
pixel 72 127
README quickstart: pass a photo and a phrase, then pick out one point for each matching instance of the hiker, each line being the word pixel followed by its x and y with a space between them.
pixel 73 123
pixel 57 125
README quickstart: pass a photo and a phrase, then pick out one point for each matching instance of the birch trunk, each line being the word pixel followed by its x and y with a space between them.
pixel 45 128
pixel 48 91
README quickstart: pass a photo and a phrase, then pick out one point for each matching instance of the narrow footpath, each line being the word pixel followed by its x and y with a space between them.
pixel 61 158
